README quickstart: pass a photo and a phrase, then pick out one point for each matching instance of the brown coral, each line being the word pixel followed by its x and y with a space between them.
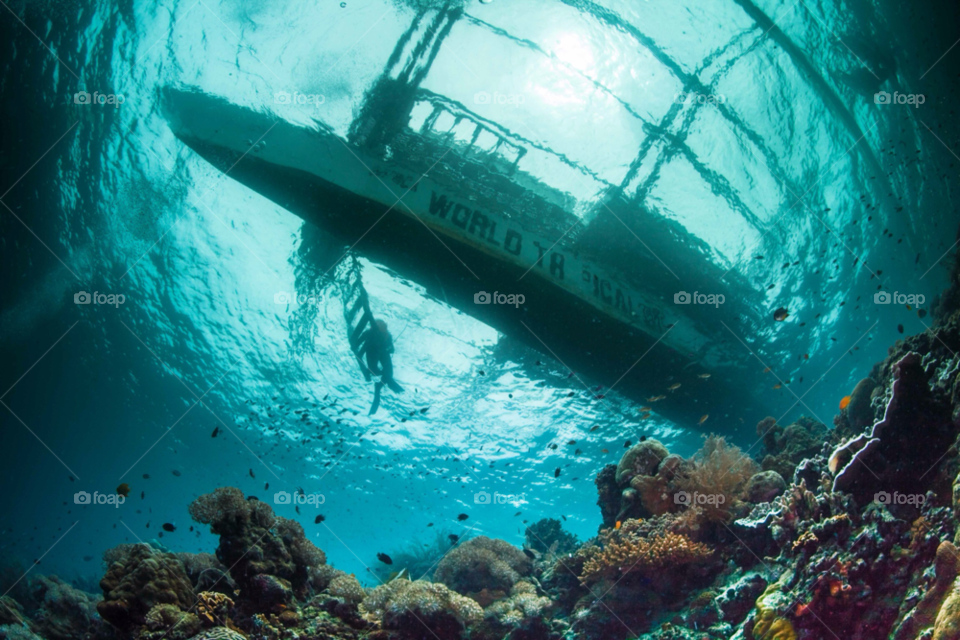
pixel 346 587
pixel 630 550
pixel 140 578
pixel 213 608
pixel 406 605
pixel 483 563
pixel 718 471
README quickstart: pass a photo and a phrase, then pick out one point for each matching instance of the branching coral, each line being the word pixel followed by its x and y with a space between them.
pixel 483 563
pixel 631 550
pixel 718 471
pixel 402 604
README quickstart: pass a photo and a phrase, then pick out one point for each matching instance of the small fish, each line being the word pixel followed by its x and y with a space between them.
pixel 645 409
pixel 556 473
pixel 703 418
pixel 266 485
pixel 146 476
pixel 384 558
pixel 900 328
pixel 453 538
pixel 778 386
pixel 767 370
pixel 297 509
pixel 704 375
pixel 673 387
pixel 909 308
pixel 176 473
pixel 143 494
pixel 617 526
pixel 529 553
pixel 572 442
pixel 251 474
pixel 320 518
pixel 626 444
pixel 921 313
pixel 216 430
pixel 430 524
pixel 604 451
pixel 594 427
pixel 462 517
pixel 844 402
pixel 123 490
pixel 87 558
pixel 780 314
pixel 169 527
pixel 655 398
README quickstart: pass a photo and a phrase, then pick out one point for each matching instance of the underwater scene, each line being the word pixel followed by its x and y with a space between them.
pixel 479 319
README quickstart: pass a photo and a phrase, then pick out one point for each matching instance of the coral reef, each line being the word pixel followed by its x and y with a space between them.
pixel 415 606
pixel 787 446
pixel 483 563
pixel 630 549
pixel 139 578
pixel 547 535
pixel 269 556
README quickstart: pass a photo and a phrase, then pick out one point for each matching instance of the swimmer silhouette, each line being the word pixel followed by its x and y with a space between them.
pixel 377 345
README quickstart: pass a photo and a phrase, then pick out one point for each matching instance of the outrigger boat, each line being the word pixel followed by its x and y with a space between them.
pixel 444 197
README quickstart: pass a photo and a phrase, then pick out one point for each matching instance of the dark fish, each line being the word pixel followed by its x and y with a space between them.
pixel 320 518
pixel 529 553
pixel 142 494
pixel 266 485
pixel 453 538
pixel 564 518
pixel 251 474
pixel 572 442
pixel 297 509
pixel 384 558
pixel 71 478
pixel 556 473
pixel 169 527
pixel 900 328
pixel 626 444
pixel 124 488
pixel 462 517
pixel 216 430
pixel 176 473
pixel 921 313
pixel 780 314
pixel 430 524
pixel 87 558
pixel 146 476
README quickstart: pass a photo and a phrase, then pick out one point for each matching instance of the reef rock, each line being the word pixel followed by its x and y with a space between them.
pixel 764 487
pixel 641 459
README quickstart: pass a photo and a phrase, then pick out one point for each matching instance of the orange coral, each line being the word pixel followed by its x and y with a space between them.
pixel 628 549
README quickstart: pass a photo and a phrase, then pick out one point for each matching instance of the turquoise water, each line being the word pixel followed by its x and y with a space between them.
pixel 777 178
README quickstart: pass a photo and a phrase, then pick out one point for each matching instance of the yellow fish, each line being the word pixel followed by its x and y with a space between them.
pixel 704 418
pixel 673 387
pixel 704 375
pixel 777 386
